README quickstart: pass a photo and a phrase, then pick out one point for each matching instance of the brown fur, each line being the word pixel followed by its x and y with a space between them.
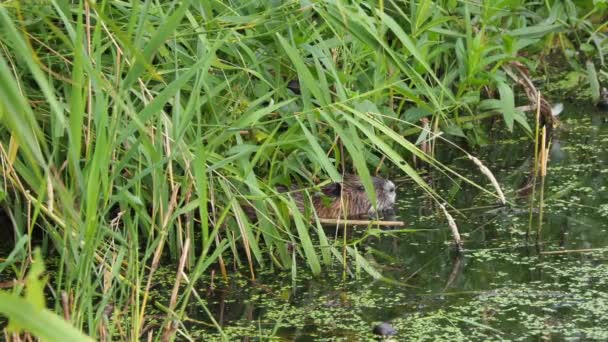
pixel 347 199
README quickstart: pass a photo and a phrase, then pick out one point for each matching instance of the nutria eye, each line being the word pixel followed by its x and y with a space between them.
pixel 392 189
pixel 361 188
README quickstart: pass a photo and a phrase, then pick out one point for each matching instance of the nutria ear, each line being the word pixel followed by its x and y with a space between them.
pixel 333 189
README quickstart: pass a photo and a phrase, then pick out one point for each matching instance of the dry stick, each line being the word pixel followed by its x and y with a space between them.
pixel 361 222
pixel 490 176
pixel 170 328
pixel 454 228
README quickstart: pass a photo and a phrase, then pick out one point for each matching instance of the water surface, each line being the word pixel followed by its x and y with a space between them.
pixel 505 285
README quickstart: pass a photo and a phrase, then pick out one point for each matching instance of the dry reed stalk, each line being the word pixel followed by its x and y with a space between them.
pixel 491 177
pixel 424 145
pixel 535 167
pixel 50 192
pixel 169 332
pixel 544 154
pixel 453 228
pixel 543 172
pixel 65 302
pixel 179 275
pixel 171 326
pixel 155 261
pixel 103 333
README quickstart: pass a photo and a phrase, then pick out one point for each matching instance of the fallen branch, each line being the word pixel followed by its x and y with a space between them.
pixel 565 251
pixel 362 222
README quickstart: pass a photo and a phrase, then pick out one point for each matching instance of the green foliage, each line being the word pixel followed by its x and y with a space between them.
pixel 29 313
pixel 130 129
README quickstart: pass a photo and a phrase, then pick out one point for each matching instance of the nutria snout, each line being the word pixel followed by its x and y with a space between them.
pixel 348 198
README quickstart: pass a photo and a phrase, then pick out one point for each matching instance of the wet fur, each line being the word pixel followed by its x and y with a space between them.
pixel 347 199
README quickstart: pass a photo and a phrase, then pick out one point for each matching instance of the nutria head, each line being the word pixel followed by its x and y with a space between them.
pixel 349 198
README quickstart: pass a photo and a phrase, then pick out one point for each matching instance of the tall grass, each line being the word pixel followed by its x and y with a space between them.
pixel 133 131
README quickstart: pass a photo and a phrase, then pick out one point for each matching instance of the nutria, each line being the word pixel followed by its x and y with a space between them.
pixel 345 199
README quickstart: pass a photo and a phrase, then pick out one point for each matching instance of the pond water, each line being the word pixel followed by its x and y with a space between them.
pixel 504 286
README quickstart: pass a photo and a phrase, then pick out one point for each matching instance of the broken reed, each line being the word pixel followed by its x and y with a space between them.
pixel 544 156
pixel 486 172
pixel 453 228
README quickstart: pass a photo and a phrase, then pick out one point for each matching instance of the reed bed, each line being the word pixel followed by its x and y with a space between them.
pixel 131 133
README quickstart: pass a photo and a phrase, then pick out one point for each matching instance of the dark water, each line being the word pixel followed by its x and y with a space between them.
pixel 503 287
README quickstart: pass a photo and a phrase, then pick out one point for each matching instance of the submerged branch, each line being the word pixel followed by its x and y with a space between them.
pixel 565 251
